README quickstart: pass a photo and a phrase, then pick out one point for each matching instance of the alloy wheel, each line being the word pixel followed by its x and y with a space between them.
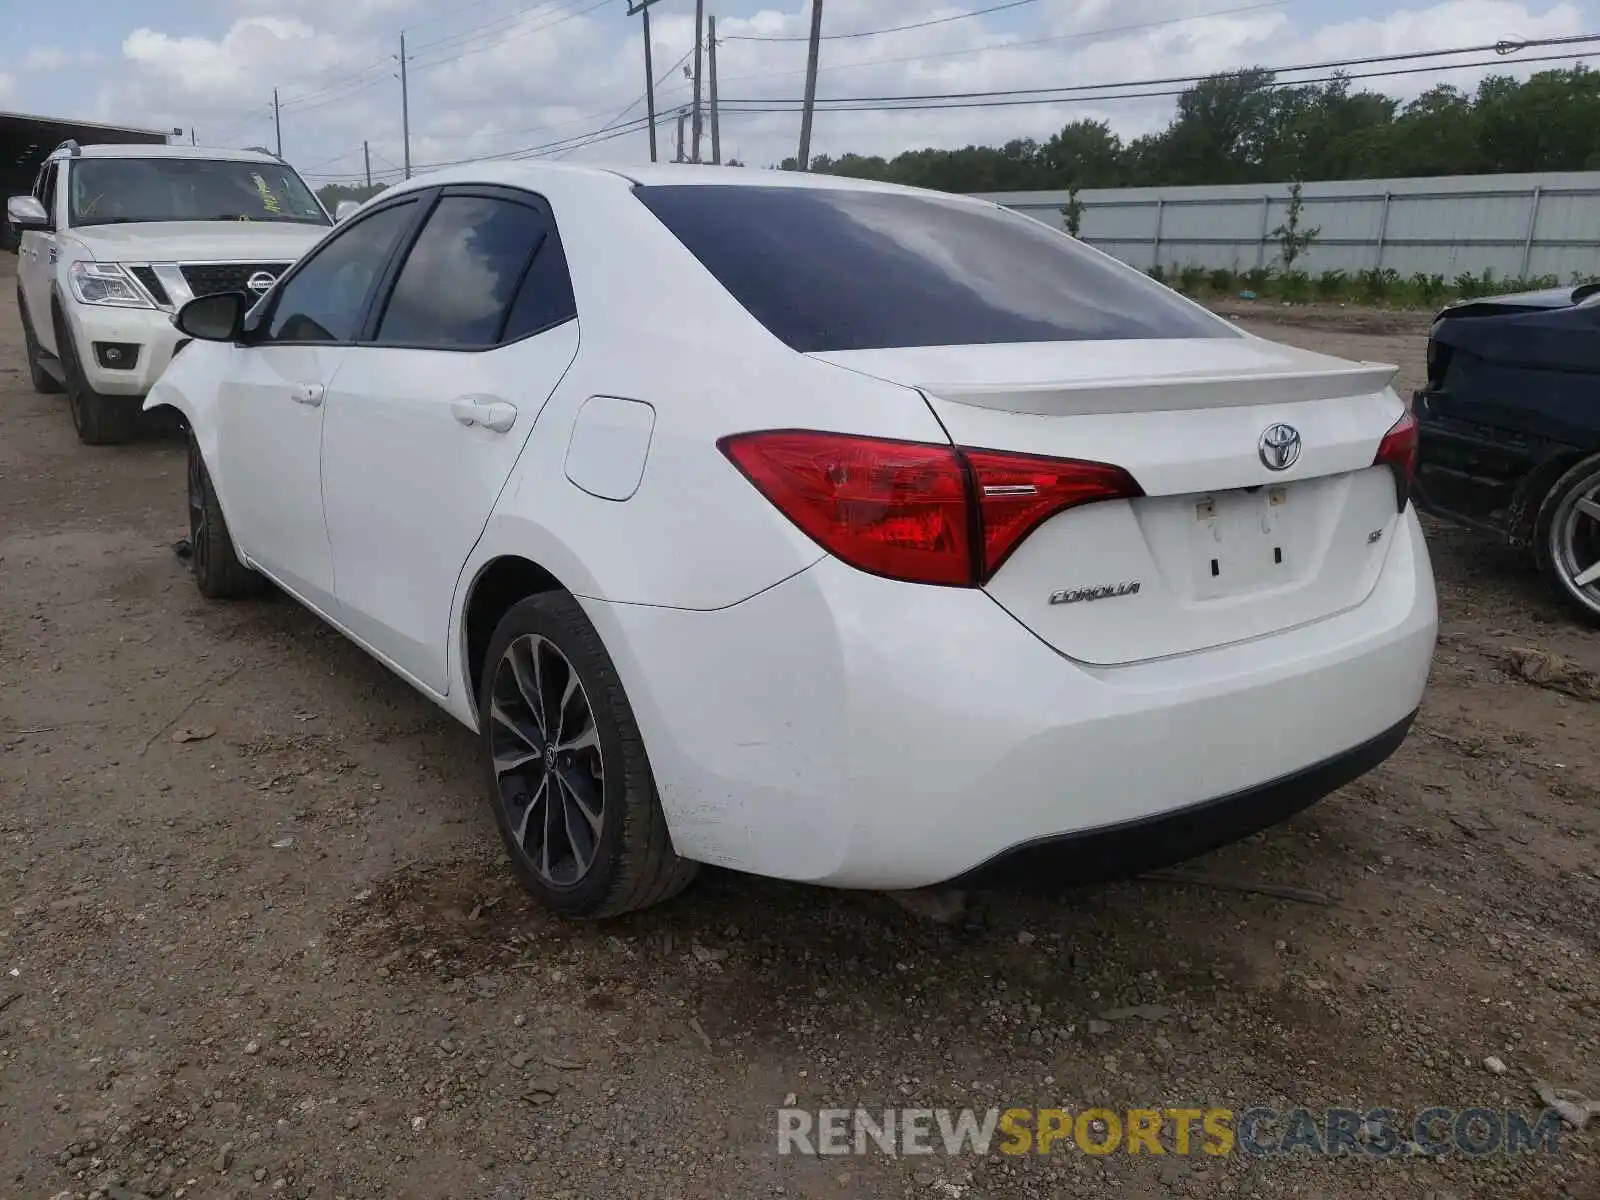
pixel 1575 542
pixel 548 767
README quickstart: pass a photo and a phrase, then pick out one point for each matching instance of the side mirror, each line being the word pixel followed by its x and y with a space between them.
pixel 345 209
pixel 216 318
pixel 25 213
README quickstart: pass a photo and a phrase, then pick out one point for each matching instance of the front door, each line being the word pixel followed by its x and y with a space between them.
pixel 426 419
pixel 36 258
pixel 270 408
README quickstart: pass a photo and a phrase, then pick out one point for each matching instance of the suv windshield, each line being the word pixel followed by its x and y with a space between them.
pixel 106 191
pixel 827 269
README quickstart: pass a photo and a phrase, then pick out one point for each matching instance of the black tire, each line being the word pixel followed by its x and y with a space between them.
pixel 1567 538
pixel 43 382
pixel 632 863
pixel 99 420
pixel 218 573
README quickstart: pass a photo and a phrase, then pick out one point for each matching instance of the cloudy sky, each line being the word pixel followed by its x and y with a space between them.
pixel 490 77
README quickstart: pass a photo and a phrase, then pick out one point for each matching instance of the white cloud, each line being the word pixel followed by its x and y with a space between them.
pixel 489 79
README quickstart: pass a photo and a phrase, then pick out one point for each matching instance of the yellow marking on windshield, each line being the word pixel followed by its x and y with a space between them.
pixel 268 200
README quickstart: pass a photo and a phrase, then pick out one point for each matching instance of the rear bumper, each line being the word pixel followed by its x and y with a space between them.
pixel 1118 851
pixel 853 731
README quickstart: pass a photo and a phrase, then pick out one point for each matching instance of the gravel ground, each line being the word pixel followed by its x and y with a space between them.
pixel 256 938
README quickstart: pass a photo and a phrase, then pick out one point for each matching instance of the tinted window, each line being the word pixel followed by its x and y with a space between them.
pixel 857 270
pixel 47 190
pixel 545 297
pixel 115 190
pixel 459 279
pixel 325 299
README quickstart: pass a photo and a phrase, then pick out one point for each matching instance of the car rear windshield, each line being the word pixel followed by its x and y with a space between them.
pixel 835 269
pixel 108 191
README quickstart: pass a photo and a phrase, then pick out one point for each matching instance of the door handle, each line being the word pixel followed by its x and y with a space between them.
pixel 307 393
pixel 484 411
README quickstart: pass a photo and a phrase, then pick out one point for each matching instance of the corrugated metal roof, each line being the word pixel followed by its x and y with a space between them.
pixel 38 119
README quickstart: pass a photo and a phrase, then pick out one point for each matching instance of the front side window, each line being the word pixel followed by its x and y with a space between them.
pixel 459 281
pixel 327 297
pixel 47 190
pixel 105 191
pixel 843 269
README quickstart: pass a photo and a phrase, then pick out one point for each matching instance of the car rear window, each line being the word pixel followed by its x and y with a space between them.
pixel 835 269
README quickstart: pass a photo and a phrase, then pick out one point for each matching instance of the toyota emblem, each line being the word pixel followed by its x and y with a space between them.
pixel 1279 447
pixel 261 282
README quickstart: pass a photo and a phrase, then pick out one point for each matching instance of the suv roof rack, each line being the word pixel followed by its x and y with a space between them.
pixel 268 153
pixel 70 146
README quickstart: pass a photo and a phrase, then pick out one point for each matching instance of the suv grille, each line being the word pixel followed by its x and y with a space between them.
pixel 207 279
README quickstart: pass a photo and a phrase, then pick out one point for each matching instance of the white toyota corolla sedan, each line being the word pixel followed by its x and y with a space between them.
pixel 821 529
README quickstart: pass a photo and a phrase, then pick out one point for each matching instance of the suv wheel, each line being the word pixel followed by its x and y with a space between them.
pixel 43 382
pixel 568 777
pixel 99 420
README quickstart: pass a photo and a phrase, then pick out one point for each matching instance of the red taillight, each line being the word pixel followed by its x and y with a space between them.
pixel 1019 492
pixel 914 511
pixel 1398 452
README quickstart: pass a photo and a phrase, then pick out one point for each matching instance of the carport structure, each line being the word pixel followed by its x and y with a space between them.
pixel 26 140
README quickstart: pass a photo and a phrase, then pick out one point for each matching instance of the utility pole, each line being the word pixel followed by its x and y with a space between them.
pixel 681 115
pixel 642 7
pixel 405 106
pixel 366 158
pixel 192 137
pixel 699 47
pixel 811 86
pixel 716 122
pixel 277 121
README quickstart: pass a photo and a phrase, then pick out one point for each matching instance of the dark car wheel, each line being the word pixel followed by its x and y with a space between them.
pixel 99 420
pixel 43 382
pixel 218 573
pixel 1568 539
pixel 571 787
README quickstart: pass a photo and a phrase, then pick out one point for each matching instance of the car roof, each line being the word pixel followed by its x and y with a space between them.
pixel 147 150
pixel 530 175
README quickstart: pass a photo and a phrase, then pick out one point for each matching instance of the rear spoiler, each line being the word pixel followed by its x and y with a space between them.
pixel 1161 393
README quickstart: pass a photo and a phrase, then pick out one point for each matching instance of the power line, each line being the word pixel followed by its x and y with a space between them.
pixel 866 33
pixel 1500 48
pixel 614 120
pixel 498 24
pixel 1022 45
pixel 1148 95
pixel 494 41
pixel 488 33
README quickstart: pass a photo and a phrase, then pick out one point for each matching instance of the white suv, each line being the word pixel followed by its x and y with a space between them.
pixel 114 239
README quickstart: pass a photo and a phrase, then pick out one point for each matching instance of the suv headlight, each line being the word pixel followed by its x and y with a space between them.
pixel 105 284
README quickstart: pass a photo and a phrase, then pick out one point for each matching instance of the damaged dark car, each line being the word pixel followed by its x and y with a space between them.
pixel 1509 426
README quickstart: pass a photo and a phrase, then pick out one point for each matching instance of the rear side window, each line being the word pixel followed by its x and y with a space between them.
pixel 828 269
pixel 460 279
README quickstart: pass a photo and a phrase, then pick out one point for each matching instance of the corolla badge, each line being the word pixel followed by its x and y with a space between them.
pixel 1099 591
pixel 1279 447
pixel 261 282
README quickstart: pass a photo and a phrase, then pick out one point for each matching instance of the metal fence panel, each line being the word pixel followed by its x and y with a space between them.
pixel 1512 226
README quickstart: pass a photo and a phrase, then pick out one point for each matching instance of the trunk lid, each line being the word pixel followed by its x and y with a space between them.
pixel 1221 548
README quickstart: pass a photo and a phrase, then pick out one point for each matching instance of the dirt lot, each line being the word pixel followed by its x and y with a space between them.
pixel 284 959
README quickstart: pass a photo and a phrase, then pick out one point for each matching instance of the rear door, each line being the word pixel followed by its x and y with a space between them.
pixel 428 415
